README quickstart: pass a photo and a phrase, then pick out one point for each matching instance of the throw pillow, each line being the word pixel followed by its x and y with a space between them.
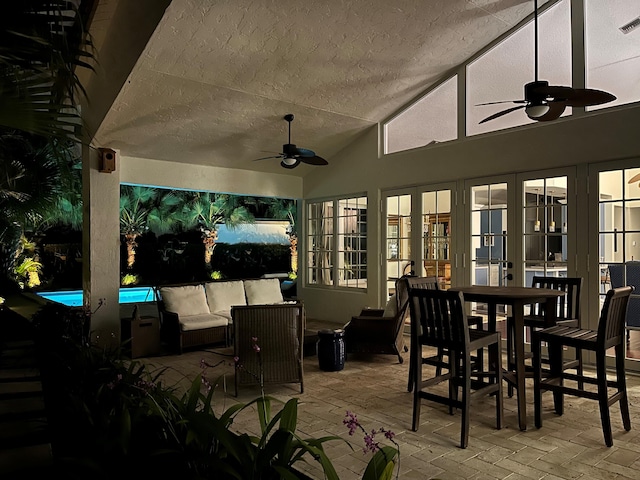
pixel 391 309
pixel 221 296
pixel 263 292
pixel 186 300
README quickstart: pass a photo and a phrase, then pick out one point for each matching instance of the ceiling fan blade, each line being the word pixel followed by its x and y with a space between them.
pixel 555 110
pixel 504 101
pixel 315 160
pixel 504 112
pixel 268 158
pixel 575 97
pixel 304 152
pixel 585 97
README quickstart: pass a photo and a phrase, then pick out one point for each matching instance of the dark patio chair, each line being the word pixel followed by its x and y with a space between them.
pixel 380 331
pixel 438 319
pixel 610 334
pixel 567 313
pixel 437 360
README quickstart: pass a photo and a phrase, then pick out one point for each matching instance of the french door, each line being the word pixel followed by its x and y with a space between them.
pixel 615 236
pixel 419 224
pixel 517 226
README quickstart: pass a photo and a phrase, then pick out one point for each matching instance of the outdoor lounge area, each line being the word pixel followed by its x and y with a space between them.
pixel 448 139
pixel 374 387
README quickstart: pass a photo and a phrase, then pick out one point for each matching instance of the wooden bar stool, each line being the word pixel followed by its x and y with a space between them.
pixel 610 334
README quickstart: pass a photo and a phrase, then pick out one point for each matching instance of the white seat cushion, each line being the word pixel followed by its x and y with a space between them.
pixel 221 296
pixel 263 292
pixel 186 300
pixel 199 322
pixel 224 313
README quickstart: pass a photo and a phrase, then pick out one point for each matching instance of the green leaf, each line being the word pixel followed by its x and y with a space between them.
pixel 381 465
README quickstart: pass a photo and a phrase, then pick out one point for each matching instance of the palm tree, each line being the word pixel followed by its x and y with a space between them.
pixel 207 211
pixel 285 209
pixel 42 43
pixel 143 209
pixel 134 216
pixel 29 185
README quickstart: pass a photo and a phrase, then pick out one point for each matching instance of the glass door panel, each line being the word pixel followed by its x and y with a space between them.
pixel 545 227
pixel 489 234
pixel 437 227
pixel 398 238
pixel 619 243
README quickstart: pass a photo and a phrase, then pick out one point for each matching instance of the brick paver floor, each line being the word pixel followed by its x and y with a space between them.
pixel 374 387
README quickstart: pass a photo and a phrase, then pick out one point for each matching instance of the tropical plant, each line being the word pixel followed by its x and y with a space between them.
pixel 385 458
pixel 143 209
pixel 128 279
pixel 29 182
pixel 285 209
pixel 207 211
pixel 133 217
pixel 42 44
pixel 28 272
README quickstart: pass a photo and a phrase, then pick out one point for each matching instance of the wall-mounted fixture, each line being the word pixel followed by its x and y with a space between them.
pixel 536 226
pixel 107 160
pixel 552 223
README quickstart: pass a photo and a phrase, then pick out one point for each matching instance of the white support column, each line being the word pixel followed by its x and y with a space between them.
pixel 101 248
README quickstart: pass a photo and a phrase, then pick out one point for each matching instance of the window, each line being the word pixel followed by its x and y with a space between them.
pixel 501 73
pixel 352 242
pixel 340 259
pixel 433 119
pixel 613 51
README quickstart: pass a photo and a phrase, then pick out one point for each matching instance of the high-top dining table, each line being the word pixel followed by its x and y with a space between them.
pixel 516 298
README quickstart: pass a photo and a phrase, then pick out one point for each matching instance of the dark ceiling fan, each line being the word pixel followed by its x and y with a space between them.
pixel 543 102
pixel 292 156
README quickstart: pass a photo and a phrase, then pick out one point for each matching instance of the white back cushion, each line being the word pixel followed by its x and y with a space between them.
pixel 263 291
pixel 391 309
pixel 185 300
pixel 221 296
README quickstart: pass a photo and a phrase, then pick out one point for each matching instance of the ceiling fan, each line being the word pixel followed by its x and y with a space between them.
pixel 543 102
pixel 292 156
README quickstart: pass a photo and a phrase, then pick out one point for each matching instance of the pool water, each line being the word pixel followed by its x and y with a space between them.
pixel 73 298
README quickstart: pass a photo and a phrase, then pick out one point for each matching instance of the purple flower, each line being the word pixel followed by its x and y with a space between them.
pixel 370 444
pixel 351 421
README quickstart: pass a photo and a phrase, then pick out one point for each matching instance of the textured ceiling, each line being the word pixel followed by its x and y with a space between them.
pixel 216 78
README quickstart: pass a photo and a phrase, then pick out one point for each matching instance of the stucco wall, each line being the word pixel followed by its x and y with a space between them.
pixel 159 173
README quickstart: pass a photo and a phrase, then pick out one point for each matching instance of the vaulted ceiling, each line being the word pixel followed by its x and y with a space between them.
pixel 216 78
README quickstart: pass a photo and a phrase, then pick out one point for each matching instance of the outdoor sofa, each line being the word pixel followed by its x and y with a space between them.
pixel 199 313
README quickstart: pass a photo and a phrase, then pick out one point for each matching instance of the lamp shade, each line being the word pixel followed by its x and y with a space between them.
pixel 289 160
pixel 536 110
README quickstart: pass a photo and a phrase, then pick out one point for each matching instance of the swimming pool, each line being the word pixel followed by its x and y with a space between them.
pixel 73 298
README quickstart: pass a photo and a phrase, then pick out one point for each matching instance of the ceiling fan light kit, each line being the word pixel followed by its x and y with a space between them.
pixel 543 102
pixel 536 110
pixel 292 156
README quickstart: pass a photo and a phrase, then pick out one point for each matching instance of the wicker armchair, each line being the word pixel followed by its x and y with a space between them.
pixel 279 331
